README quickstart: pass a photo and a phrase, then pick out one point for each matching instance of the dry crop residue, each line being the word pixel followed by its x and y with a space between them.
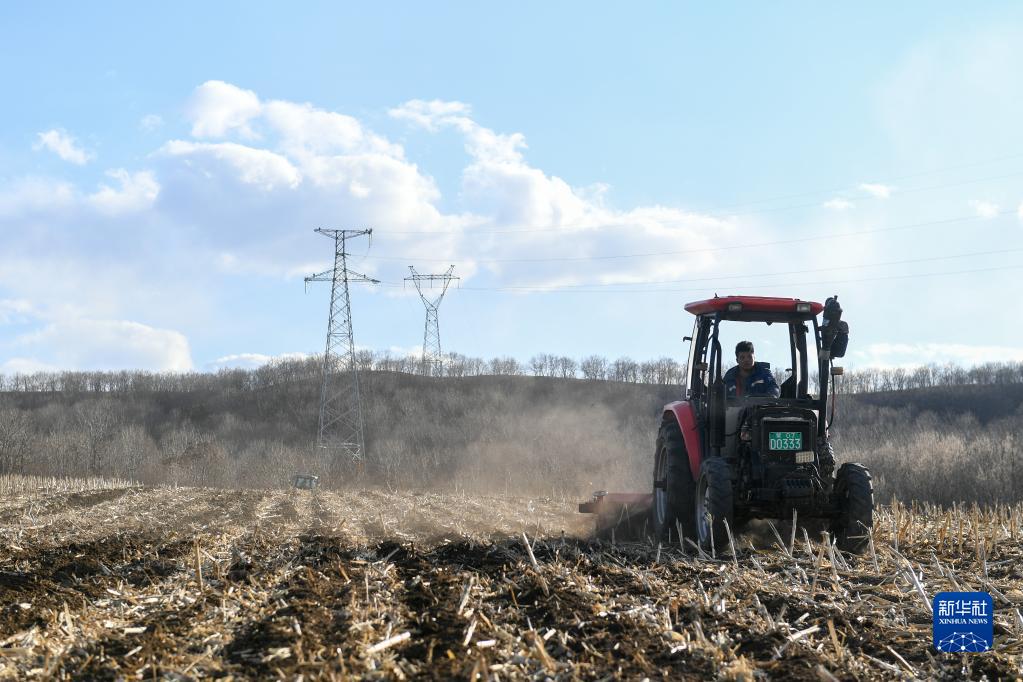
pixel 132 583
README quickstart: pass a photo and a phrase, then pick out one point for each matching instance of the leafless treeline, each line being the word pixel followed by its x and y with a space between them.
pixel 874 380
pixel 514 433
pixel 487 427
pixel 663 371
pixel 257 428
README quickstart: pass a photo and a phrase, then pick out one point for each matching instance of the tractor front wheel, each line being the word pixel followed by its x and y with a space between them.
pixel 714 506
pixel 672 510
pixel 854 491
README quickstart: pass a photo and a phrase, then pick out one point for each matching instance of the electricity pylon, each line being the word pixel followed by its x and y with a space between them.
pixel 341 426
pixel 433 361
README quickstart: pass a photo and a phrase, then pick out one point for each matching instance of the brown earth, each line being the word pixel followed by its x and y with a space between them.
pixel 106 584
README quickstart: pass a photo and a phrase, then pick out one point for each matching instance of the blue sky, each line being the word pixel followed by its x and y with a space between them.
pixel 162 169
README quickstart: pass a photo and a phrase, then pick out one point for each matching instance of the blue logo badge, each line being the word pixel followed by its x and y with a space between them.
pixel 963 621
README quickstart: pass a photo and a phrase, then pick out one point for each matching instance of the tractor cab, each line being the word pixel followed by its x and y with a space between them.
pixel 801 396
pixel 793 323
pixel 724 456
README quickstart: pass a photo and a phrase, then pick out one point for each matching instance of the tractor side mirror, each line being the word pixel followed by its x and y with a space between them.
pixel 841 342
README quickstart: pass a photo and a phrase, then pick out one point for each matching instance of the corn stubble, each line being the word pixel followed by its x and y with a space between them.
pixel 119 581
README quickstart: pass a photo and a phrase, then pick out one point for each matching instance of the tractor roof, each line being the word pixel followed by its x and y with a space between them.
pixel 755 308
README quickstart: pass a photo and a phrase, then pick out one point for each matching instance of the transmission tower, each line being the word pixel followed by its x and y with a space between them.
pixel 433 361
pixel 341 428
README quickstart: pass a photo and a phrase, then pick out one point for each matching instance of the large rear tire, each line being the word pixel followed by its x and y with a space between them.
pixel 714 505
pixel 673 486
pixel 854 492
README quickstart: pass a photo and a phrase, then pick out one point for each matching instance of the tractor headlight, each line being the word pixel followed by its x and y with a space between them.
pixel 802 307
pixel 804 457
pixel 735 307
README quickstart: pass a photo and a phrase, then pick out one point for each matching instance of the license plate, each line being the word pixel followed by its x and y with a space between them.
pixel 785 440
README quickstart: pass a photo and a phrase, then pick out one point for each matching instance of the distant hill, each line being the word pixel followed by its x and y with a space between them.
pixel 505 433
pixel 985 402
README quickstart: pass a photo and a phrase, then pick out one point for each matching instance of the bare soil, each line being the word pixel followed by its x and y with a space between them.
pixel 179 583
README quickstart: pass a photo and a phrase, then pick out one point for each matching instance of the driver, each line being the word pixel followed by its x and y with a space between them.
pixel 748 377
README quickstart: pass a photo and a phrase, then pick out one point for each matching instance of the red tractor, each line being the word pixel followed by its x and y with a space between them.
pixel 726 458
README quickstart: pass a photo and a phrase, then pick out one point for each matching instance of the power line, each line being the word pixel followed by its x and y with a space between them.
pixel 888 180
pixel 753 245
pixel 777 285
pixel 911 190
pixel 717 211
pixel 859 266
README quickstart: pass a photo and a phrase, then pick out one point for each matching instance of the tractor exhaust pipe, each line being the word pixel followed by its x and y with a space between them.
pixel 716 407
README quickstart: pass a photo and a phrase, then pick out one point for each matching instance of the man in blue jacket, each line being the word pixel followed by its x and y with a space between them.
pixel 749 377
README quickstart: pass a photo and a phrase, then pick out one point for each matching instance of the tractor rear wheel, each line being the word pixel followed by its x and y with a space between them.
pixel 673 485
pixel 714 504
pixel 854 491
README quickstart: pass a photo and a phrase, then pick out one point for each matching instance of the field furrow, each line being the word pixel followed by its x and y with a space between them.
pixel 175 583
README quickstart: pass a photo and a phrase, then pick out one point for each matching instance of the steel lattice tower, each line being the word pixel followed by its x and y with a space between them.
pixel 341 426
pixel 433 361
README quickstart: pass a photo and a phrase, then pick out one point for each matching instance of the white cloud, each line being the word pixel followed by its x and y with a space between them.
pixel 320 165
pixel 397 351
pixel 217 108
pixel 499 182
pixel 137 192
pixel 223 210
pixel 306 130
pixel 31 195
pixel 227 262
pixel 267 266
pixel 63 145
pixel 501 188
pixel 481 143
pixel 12 310
pixel 984 209
pixel 25 366
pixel 1019 211
pixel 838 204
pixel 876 190
pixel 151 122
pixel 430 114
pixel 87 344
pixel 253 166
pixel 909 355
pixel 252 360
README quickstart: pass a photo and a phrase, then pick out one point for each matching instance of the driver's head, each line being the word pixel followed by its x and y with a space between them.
pixel 744 355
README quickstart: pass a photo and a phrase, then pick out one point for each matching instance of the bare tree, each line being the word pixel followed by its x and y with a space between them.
pixel 505 366
pixel 363 360
pixel 566 367
pixel 594 368
pixel 625 369
pixel 669 372
pixel 15 437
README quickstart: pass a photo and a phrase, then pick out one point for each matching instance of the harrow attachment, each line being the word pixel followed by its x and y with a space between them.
pixel 620 516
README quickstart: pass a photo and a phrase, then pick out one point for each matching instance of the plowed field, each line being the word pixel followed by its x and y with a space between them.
pixel 165 583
